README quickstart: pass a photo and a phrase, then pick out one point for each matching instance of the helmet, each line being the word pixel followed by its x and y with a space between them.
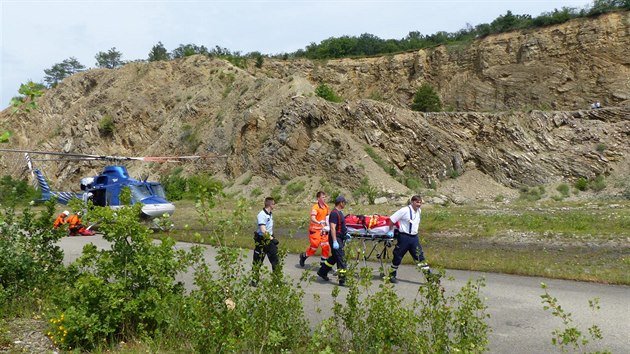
pixel 66 213
pixel 79 213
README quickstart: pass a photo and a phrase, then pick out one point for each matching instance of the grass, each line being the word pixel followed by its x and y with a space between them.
pixel 565 240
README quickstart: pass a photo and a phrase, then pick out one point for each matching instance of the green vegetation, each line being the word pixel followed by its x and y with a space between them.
pixel 581 184
pixel 129 293
pixel 13 191
pixel 159 52
pixel 570 337
pixel 426 99
pixel 189 137
pixel 106 125
pixel 178 187
pixel 563 188
pixel 60 71
pixel 326 92
pixel 364 189
pixel 532 193
pixel 370 45
pixel 295 188
pixel 27 100
pixel 109 60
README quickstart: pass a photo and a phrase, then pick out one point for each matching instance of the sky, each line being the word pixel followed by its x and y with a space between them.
pixel 35 35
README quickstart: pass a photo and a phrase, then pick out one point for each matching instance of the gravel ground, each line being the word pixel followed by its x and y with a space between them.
pixel 27 336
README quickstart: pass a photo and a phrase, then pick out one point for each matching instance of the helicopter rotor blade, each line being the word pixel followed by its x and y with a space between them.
pixel 76 156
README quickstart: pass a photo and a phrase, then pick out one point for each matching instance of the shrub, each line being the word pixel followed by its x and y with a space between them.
pixel 563 188
pixel 31 263
pixel 276 193
pixel 327 93
pixel 13 191
pixel 255 192
pixel 295 188
pixel 382 322
pixel 532 194
pixel 598 184
pixel 426 99
pixel 120 293
pixel 106 125
pixel 600 148
pixel 365 190
pixel 581 184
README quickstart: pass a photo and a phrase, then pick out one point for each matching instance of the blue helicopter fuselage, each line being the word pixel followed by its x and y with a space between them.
pixel 106 187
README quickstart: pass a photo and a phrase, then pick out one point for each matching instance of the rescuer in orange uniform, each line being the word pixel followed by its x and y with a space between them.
pixel 74 223
pixel 316 233
pixel 61 219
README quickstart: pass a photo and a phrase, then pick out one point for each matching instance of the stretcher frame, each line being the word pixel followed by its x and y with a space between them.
pixel 380 245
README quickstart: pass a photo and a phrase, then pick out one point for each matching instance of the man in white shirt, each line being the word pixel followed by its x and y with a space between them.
pixel 408 239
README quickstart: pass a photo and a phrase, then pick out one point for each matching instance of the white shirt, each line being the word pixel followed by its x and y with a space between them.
pixel 409 220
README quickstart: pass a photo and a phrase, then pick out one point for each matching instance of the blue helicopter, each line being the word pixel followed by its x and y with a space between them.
pixel 104 189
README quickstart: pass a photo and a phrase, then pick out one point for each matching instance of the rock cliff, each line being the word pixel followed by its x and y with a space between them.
pixel 518 113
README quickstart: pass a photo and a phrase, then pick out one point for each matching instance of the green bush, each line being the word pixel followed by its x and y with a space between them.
pixel 326 92
pixel 276 193
pixel 365 190
pixel 597 184
pixel 178 187
pixel 106 125
pixel 295 188
pixel 426 99
pixel 31 263
pixel 123 292
pixel 532 194
pixel 13 191
pixel 581 184
pixel 563 188
pixel 381 322
pixel 255 192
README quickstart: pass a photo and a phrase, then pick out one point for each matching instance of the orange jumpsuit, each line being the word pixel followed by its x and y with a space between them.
pixel 74 224
pixel 315 234
pixel 60 220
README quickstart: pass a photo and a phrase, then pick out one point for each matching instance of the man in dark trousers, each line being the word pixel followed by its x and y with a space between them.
pixel 264 242
pixel 336 238
pixel 408 241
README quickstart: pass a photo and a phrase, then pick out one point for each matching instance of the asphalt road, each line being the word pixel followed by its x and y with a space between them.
pixel 519 323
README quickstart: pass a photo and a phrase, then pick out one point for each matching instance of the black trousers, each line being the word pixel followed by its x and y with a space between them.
pixel 337 256
pixel 265 247
pixel 407 243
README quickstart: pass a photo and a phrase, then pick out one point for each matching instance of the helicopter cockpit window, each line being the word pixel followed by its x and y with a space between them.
pixel 139 192
pixel 158 190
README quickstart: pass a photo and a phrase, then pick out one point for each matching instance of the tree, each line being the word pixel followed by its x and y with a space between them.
pixel 62 70
pixel 426 99
pixel 186 50
pixel 158 52
pixel 109 60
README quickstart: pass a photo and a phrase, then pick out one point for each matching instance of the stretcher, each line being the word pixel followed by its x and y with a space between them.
pixel 371 233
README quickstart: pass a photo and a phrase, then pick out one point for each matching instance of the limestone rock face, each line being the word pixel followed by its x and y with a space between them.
pixel 268 122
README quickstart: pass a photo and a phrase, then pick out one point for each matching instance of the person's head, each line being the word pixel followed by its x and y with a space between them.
pixel 79 213
pixel 321 196
pixel 416 202
pixel 340 201
pixel 270 203
pixel 66 213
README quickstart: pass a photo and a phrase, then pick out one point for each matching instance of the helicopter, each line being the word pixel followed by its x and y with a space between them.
pixel 104 189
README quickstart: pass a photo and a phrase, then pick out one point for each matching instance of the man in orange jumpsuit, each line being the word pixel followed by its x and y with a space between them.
pixel 316 234
pixel 74 223
pixel 61 219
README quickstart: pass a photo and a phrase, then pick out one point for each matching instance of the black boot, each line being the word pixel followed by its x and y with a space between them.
pixel 323 272
pixel 303 258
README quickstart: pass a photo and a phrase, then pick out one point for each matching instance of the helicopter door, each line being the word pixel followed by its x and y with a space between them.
pixel 99 197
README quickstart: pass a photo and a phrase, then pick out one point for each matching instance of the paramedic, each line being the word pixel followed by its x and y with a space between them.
pixel 264 242
pixel 336 238
pixel 409 218
pixel 74 223
pixel 61 219
pixel 316 233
